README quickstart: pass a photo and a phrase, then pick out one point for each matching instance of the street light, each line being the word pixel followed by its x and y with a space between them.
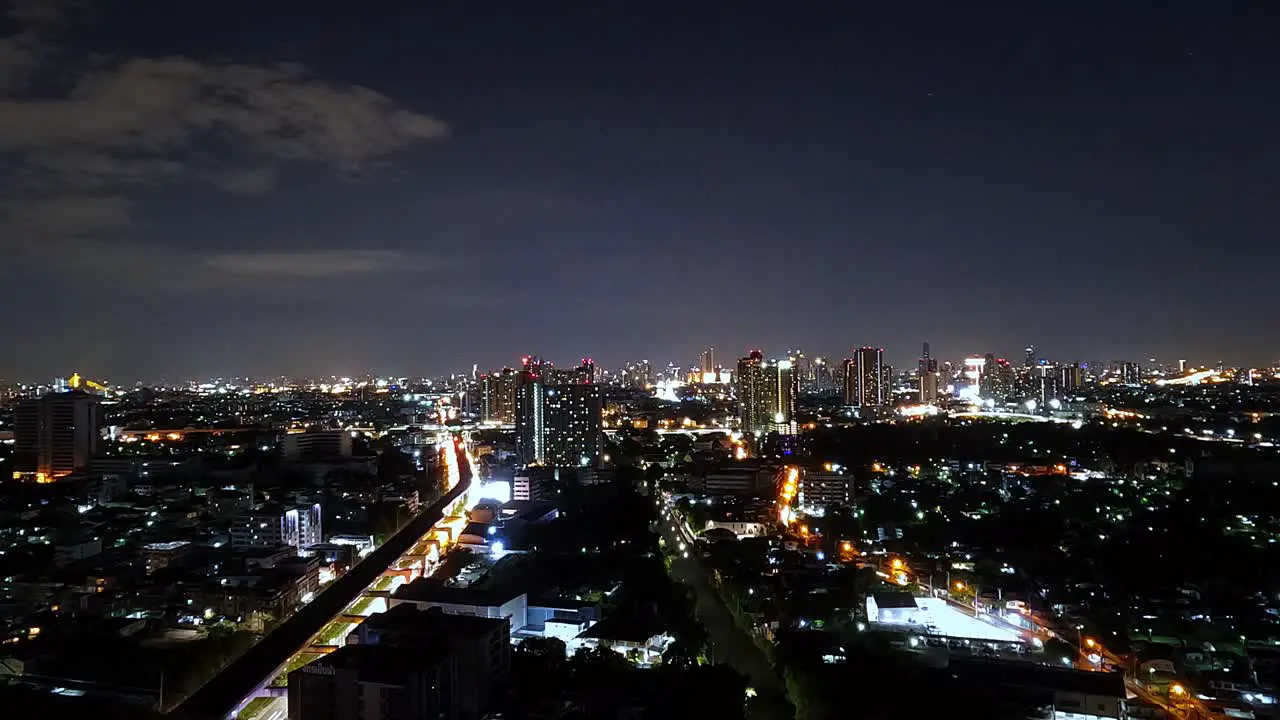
pixel 959 586
pixel 897 563
pixel 1090 642
pixel 1176 689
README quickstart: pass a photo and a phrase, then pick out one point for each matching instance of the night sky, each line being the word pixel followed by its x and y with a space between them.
pixel 196 189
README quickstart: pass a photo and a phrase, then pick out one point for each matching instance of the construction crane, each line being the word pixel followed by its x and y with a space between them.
pixel 76 381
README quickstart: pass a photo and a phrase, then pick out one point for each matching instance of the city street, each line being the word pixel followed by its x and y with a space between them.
pixel 728 643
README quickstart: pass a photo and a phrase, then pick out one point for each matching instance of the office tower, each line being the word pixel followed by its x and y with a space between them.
pixel 997 379
pixel 802 366
pixel 928 371
pixel 575 436
pixel 1071 376
pixel 864 382
pixel 751 392
pixel 707 362
pixel 822 376
pixel 779 409
pixel 498 397
pixel 1029 356
pixel 531 420
pixel 1131 373
pixel 55 435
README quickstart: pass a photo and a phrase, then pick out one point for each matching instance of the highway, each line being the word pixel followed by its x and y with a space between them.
pixel 227 693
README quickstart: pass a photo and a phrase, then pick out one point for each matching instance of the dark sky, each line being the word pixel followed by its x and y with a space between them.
pixel 199 188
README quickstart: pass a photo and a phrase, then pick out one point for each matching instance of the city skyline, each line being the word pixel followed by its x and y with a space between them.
pixel 424 190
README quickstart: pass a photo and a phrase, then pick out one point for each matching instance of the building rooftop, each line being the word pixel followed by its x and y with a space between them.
pixel 428 590
pixel 894 599
pixel 386 664
pixel 408 618
pixel 1023 674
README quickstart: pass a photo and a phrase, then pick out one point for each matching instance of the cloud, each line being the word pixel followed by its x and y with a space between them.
pixel 254 181
pixel 316 264
pixel 153 106
pixel 78 158
pixel 65 216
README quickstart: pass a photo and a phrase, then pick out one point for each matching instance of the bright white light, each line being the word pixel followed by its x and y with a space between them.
pixel 498 548
pixel 496 490
pixel 1031 405
pixel 493 530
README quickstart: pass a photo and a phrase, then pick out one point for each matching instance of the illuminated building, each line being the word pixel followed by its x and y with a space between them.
pixel 585 373
pixel 558 424
pixel 779 396
pixel 316 445
pixel 996 380
pixel 531 420
pixel 576 436
pixel 752 417
pixel 299 527
pixel 1071 376
pixel 928 371
pixel 707 362
pixel 973 369
pixel 55 435
pixel 864 378
pixel 1029 357
pixel 638 375
pixel 498 397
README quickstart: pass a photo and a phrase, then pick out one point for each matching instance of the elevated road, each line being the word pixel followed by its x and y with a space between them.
pixel 249 673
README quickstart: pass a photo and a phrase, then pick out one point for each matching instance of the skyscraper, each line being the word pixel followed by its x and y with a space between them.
pixel 707 362
pixel 864 382
pixel 498 397
pixel 558 424
pixel 55 435
pixel 928 371
pixel 531 419
pixel 1029 356
pixel 751 405
pixel 575 437
pixel 780 386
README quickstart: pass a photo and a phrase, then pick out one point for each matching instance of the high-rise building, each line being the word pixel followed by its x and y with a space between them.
pixel 928 372
pixel 558 424
pixel 1072 376
pixel 531 415
pixel 751 393
pixel 55 435
pixel 707 362
pixel 574 427
pixel 498 397
pixel 1029 356
pixel 997 379
pixel 585 373
pixel 779 409
pixel 802 366
pixel 864 380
